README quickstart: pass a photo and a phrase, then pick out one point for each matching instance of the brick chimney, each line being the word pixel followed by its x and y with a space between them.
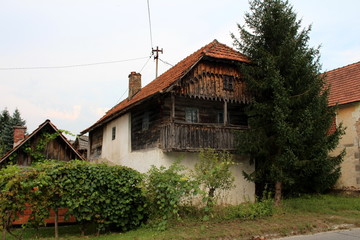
pixel 134 84
pixel 19 134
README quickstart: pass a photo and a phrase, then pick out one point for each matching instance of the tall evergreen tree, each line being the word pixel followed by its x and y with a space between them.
pixel 16 119
pixel 289 118
pixel 7 124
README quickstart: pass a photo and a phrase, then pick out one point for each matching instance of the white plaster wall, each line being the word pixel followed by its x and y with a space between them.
pixel 119 152
pixel 349 116
pixel 115 150
pixel 243 190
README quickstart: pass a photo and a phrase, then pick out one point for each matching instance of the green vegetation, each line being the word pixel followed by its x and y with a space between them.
pixel 310 213
pixel 213 172
pixel 7 124
pixel 289 115
pixel 95 194
pixel 166 190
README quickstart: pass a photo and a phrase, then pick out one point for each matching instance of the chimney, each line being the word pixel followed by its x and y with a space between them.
pixel 134 84
pixel 19 134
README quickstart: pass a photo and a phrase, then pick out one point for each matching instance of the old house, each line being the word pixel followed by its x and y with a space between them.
pixel 196 104
pixel 345 91
pixel 81 144
pixel 57 148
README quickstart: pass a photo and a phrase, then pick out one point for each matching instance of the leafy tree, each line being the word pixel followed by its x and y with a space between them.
pixel 7 124
pixel 289 116
pixel 213 171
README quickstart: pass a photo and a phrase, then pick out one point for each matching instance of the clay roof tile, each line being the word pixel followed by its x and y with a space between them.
pixel 212 50
pixel 344 84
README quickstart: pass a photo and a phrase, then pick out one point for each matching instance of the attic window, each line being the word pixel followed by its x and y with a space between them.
pixel 192 115
pixel 113 133
pixel 228 83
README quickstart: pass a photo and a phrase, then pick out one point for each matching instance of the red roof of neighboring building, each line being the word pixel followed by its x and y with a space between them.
pixel 344 84
pixel 164 81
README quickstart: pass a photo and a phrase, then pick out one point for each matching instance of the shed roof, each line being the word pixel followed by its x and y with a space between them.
pixel 344 84
pixel 163 82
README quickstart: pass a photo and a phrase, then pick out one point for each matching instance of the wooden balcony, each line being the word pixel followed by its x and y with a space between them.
pixel 192 137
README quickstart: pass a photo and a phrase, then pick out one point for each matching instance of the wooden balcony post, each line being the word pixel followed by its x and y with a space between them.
pixel 172 112
pixel 225 113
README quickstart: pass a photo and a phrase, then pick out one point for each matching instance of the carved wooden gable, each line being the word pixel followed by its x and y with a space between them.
pixel 215 81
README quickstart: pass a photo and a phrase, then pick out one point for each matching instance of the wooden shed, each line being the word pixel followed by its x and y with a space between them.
pixel 57 148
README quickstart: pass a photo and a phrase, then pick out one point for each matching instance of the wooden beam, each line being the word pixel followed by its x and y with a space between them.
pixel 172 113
pixel 225 113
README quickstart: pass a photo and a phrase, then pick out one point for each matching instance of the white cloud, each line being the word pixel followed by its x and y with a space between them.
pixel 64 115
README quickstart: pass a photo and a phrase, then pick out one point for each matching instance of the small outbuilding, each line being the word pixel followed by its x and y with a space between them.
pixel 46 141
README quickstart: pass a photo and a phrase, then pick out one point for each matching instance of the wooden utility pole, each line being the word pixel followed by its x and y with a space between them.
pixel 156 58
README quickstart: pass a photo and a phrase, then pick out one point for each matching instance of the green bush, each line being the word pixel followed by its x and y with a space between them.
pixel 212 171
pixel 166 190
pixel 249 211
pixel 109 196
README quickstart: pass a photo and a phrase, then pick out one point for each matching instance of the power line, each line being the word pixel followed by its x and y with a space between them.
pixel 145 64
pixel 151 40
pixel 71 66
pixel 166 62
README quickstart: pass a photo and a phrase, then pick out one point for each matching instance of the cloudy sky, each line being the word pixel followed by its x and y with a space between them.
pixel 69 60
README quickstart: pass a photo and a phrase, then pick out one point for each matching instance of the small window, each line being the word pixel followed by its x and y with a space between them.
pixel 145 121
pixel 192 115
pixel 228 83
pixel 113 133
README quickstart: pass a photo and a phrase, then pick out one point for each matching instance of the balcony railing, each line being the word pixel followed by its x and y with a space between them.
pixel 194 137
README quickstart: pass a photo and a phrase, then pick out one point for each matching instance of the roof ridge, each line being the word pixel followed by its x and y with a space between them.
pixel 335 69
pixel 213 49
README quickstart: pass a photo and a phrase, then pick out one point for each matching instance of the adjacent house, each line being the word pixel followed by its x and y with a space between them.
pixel 345 91
pixel 199 103
pixel 81 145
pixel 58 148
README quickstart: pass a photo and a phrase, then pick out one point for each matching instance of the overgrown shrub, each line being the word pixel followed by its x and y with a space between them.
pixel 263 207
pixel 18 191
pixel 212 171
pixel 109 196
pixel 167 188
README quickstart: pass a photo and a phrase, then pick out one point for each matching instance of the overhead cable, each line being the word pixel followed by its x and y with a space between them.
pixel 145 64
pixel 71 66
pixel 166 62
pixel 151 40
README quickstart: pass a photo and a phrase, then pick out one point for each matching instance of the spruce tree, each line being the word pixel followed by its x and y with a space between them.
pixel 7 124
pixel 289 119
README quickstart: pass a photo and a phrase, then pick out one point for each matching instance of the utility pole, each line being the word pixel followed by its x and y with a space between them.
pixel 156 58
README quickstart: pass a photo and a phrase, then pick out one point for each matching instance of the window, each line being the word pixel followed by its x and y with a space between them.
pixel 192 115
pixel 228 83
pixel 145 121
pixel 113 133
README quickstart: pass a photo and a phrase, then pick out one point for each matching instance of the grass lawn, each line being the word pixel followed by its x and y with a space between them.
pixel 295 216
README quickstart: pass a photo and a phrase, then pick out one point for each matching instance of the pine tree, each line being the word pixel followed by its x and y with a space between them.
pixel 16 119
pixel 289 118
pixel 7 124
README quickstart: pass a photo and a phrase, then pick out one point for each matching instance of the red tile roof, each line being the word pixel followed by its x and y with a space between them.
pixel 164 81
pixel 344 84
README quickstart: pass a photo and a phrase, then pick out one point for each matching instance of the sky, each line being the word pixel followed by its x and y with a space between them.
pixel 69 60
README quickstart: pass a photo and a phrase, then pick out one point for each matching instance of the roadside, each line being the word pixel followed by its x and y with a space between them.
pixel 305 215
pixel 351 234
